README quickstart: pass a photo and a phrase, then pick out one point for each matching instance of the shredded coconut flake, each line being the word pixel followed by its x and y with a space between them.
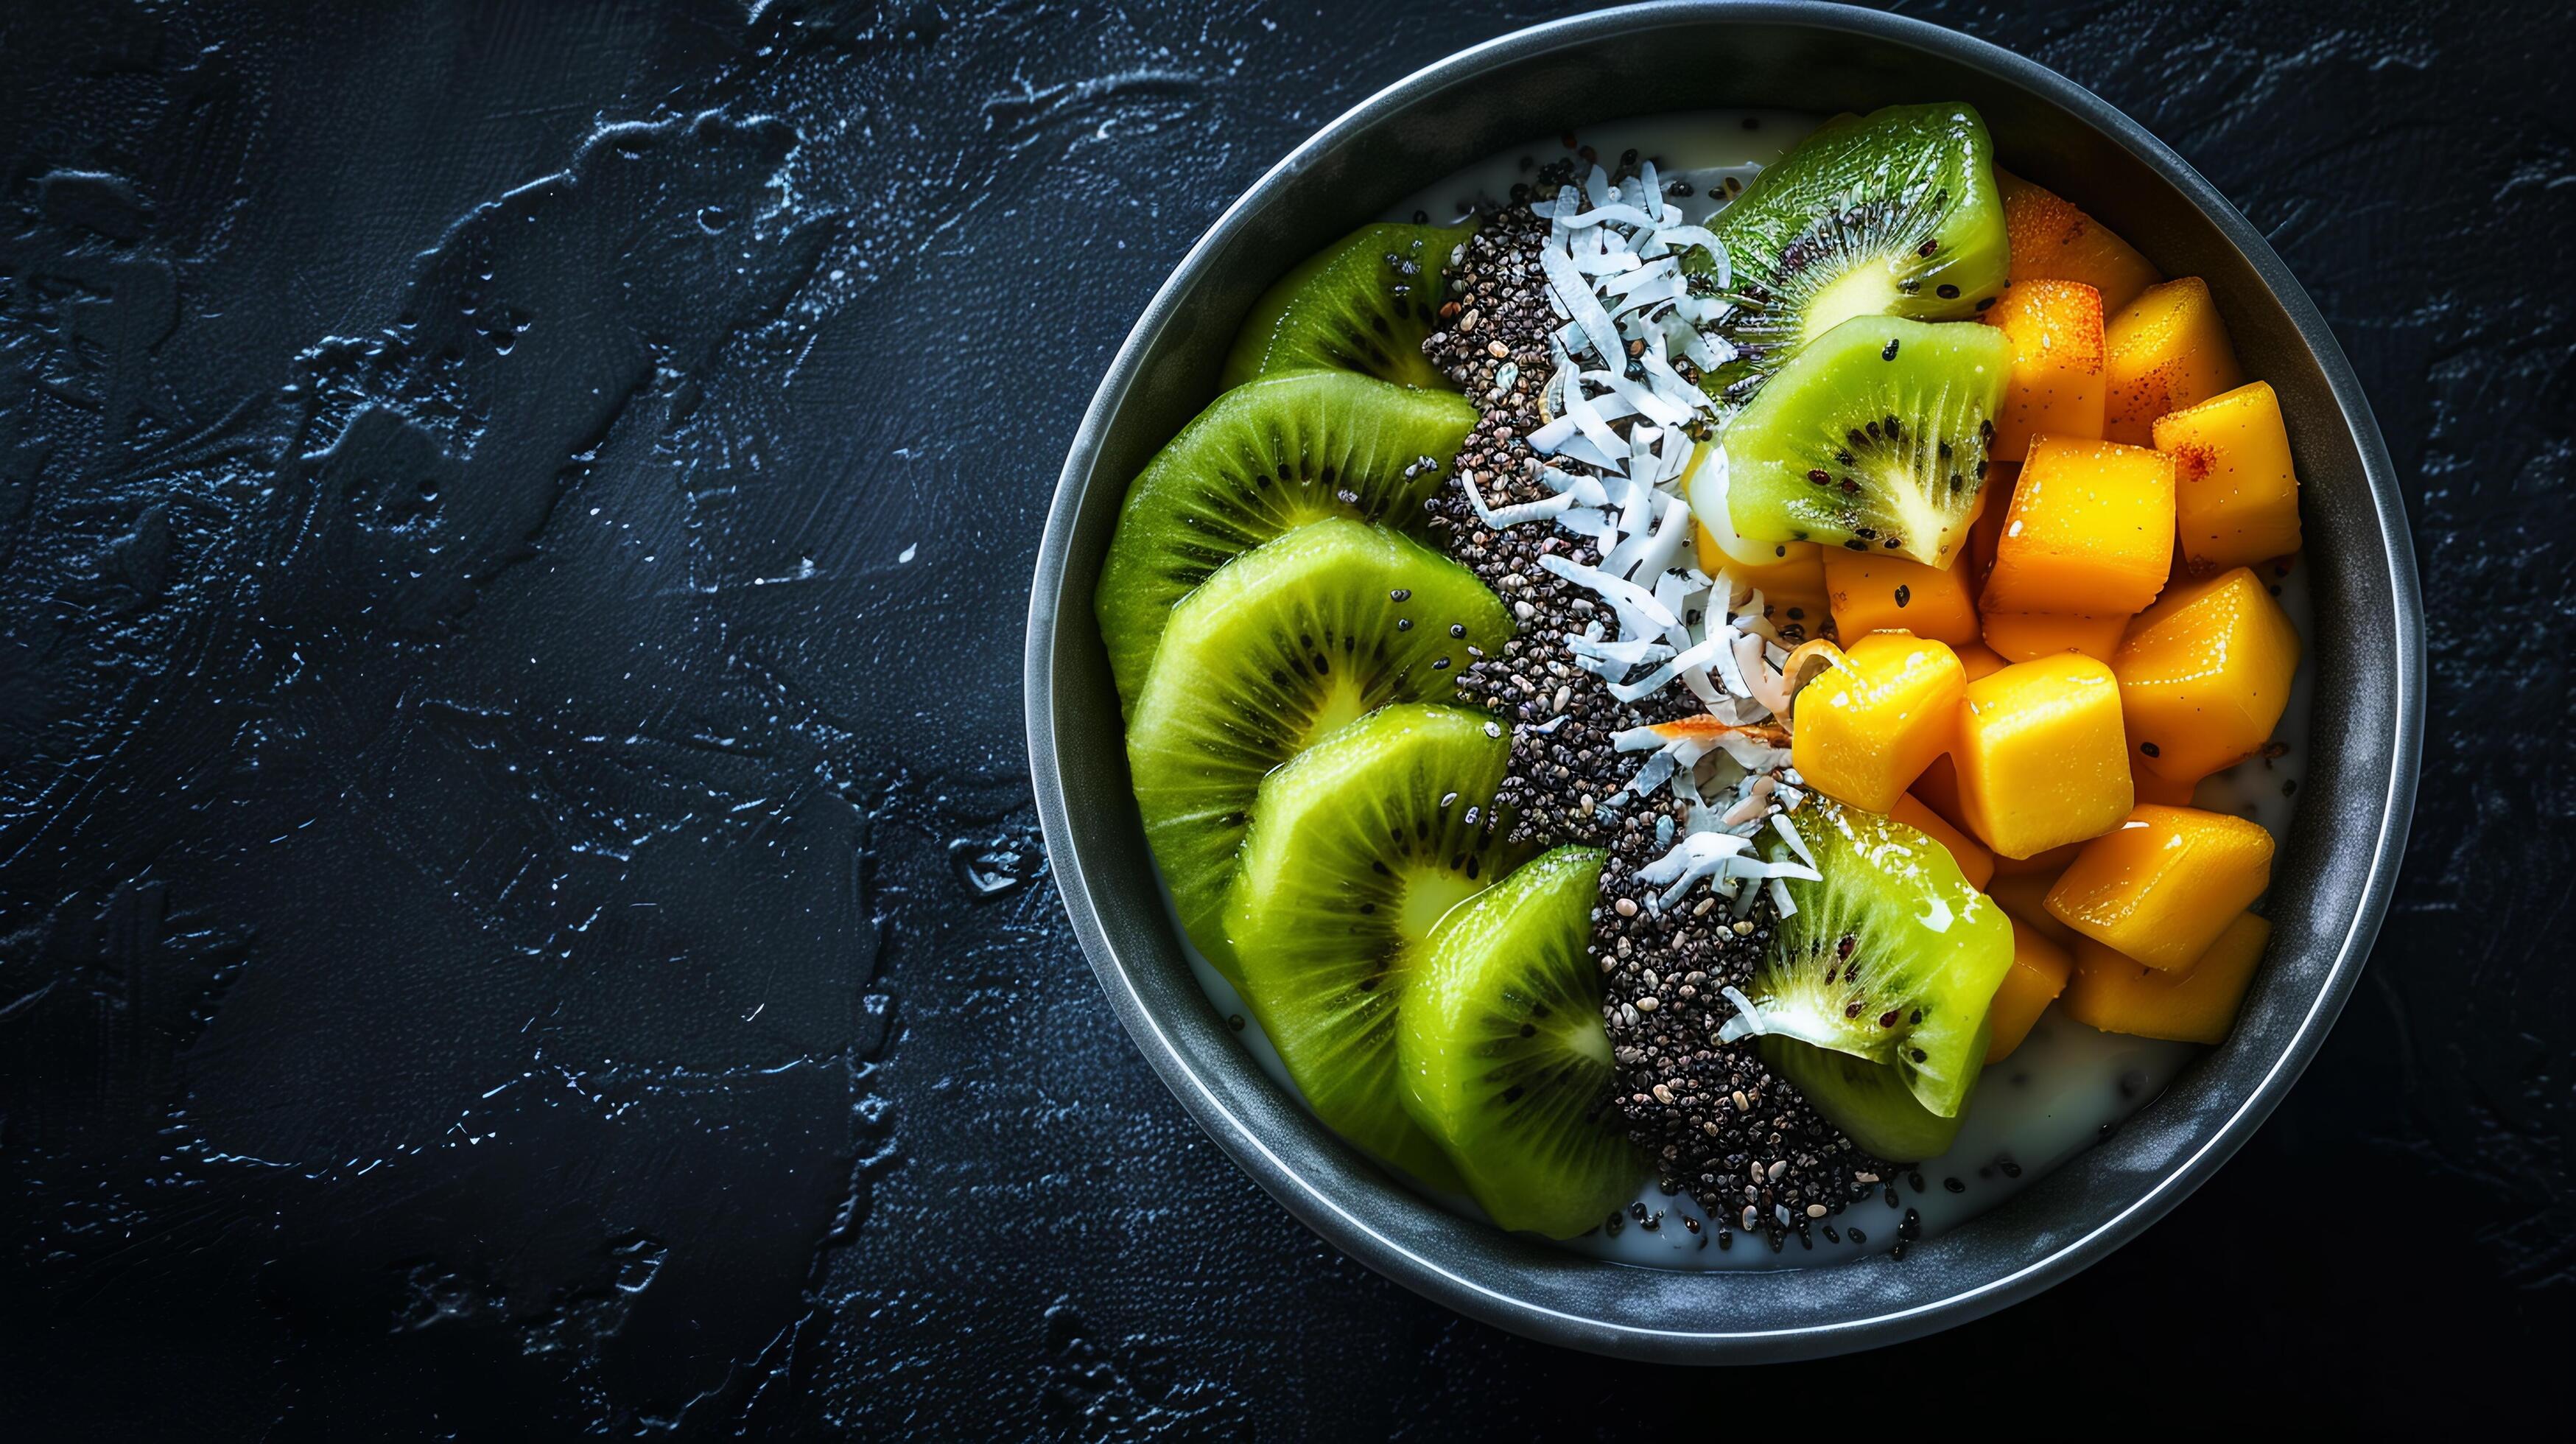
pixel 1619 437
pixel 1747 1022
pixel 1789 833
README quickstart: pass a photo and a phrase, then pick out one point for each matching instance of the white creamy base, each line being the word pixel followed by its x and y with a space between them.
pixel 2054 1095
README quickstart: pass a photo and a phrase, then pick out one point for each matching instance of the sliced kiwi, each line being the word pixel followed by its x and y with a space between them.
pixel 1705 485
pixel 1893 213
pixel 1365 303
pixel 1892 959
pixel 1503 1056
pixel 1282 645
pixel 1262 459
pixel 1874 438
pixel 1359 848
pixel 1866 1100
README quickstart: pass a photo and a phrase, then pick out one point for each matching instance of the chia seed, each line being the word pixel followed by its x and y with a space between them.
pixel 1713 1119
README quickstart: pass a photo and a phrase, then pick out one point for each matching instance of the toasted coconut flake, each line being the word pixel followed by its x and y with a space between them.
pixel 1711 730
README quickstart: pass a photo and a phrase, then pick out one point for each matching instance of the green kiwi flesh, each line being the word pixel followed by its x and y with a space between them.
pixel 1892 959
pixel 1364 303
pixel 1503 1055
pixel 1874 438
pixel 1265 458
pixel 1868 1101
pixel 1359 847
pixel 1894 213
pixel 1279 647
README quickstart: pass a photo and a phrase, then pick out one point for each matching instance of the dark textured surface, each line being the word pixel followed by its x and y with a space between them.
pixel 520 906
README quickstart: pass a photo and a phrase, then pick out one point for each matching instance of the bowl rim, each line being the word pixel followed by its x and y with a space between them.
pixel 1330 1216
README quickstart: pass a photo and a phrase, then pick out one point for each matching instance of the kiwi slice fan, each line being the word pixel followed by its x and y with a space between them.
pixel 1369 825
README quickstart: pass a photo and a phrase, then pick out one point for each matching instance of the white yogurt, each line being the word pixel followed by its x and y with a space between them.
pixel 1700 147
pixel 2057 1093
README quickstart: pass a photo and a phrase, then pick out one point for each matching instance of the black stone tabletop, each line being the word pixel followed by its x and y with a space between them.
pixel 521 910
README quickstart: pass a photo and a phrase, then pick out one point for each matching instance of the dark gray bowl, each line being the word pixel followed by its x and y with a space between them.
pixel 2331 883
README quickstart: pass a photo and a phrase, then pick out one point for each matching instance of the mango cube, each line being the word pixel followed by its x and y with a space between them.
pixel 1975 863
pixel 2204 675
pixel 1938 788
pixel 2041 756
pixel 2162 885
pixel 1873 721
pixel 2022 896
pixel 2167 350
pixel 1994 503
pixel 2058 386
pixel 2151 788
pixel 2052 240
pixel 2090 532
pixel 2039 970
pixel 1794 598
pixel 1872 592
pixel 2052 862
pixel 1980 660
pixel 2236 498
pixel 2190 1005
pixel 2029 636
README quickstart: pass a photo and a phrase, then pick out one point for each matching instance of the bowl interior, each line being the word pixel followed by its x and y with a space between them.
pixel 2330 880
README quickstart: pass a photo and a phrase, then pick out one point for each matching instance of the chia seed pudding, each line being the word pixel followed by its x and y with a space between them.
pixel 1712 1119
pixel 1647 705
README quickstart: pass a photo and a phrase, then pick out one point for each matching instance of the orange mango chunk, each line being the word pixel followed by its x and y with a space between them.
pixel 2162 885
pixel 1938 788
pixel 2168 350
pixel 2028 636
pixel 2236 498
pixel 2052 240
pixel 2058 386
pixel 1979 659
pixel 1876 593
pixel 2041 756
pixel 2090 531
pixel 2204 675
pixel 1794 598
pixel 1994 503
pixel 2022 896
pixel 2039 971
pixel 2188 1005
pixel 1975 863
pixel 1870 724
pixel 2051 862
pixel 2151 788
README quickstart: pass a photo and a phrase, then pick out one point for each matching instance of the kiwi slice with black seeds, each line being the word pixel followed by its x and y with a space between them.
pixel 1504 1058
pixel 1892 959
pixel 1359 847
pixel 1364 303
pixel 1874 438
pixel 1265 458
pixel 1279 647
pixel 1894 213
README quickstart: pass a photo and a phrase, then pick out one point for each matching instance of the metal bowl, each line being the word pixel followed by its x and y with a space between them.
pixel 2331 882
